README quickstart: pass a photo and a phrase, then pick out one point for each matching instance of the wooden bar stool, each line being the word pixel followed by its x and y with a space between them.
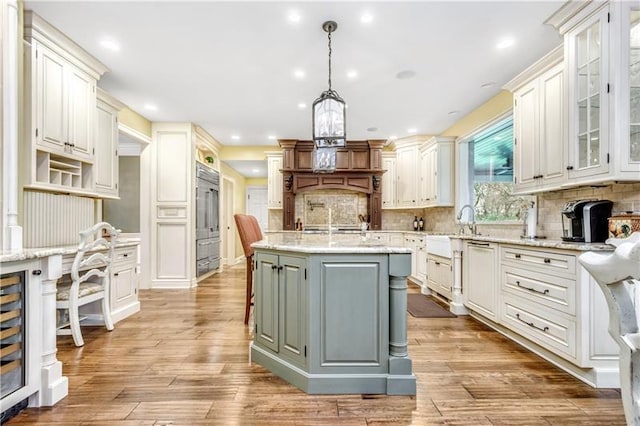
pixel 249 231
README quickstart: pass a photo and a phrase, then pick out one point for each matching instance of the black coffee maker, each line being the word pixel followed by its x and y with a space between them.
pixel 586 221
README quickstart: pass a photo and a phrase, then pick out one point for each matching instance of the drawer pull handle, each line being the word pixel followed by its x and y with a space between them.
pixel 530 324
pixel 125 255
pixel 474 243
pixel 437 263
pixel 546 291
pixel 518 256
pixel 547 260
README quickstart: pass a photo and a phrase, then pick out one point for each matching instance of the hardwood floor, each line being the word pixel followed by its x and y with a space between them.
pixel 183 360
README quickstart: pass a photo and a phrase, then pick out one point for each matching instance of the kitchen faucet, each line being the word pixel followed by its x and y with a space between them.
pixel 472 225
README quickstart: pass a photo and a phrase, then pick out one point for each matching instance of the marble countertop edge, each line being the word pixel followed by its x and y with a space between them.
pixel 40 252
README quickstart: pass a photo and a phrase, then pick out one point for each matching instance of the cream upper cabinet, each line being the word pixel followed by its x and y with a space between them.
pixel 274 180
pixel 60 111
pixel 437 183
pixel 630 52
pixel 589 96
pixel 106 145
pixel 65 102
pixel 539 110
pixel 407 160
pixel 602 68
pixel 389 180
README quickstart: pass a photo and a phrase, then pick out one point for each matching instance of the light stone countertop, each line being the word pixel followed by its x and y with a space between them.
pixel 36 253
pixel 541 243
pixel 324 243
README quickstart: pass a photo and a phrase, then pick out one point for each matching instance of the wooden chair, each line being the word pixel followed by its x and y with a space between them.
pixel 249 231
pixel 90 278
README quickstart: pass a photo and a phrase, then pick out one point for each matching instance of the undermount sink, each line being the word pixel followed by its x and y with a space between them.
pixel 440 245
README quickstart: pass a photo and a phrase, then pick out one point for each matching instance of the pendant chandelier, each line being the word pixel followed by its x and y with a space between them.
pixel 328 121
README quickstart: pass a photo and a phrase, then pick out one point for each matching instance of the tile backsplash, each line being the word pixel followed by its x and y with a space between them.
pixel 313 208
pixel 625 197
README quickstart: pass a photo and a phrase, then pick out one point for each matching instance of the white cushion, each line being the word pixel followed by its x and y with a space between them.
pixel 86 289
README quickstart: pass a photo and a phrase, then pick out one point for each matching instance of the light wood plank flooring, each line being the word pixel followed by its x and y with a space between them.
pixel 183 361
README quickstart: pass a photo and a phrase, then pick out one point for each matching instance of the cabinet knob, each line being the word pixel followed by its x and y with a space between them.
pixel 125 255
pixel 569 167
pixel 518 256
pixel 547 260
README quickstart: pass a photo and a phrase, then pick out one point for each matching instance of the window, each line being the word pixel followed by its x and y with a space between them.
pixel 486 174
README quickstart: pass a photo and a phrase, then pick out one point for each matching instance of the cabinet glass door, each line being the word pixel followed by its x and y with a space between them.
pixel 634 80
pixel 588 44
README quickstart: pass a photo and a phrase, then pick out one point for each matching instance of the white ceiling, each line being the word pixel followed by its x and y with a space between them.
pixel 229 66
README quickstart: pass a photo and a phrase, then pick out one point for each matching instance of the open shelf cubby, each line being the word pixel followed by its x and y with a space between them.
pixel 58 170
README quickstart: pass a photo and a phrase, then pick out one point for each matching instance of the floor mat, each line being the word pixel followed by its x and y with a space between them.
pixel 421 306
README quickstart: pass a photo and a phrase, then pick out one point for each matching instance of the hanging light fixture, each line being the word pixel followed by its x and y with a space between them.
pixel 328 120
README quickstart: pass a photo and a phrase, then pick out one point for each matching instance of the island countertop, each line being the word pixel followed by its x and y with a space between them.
pixel 325 243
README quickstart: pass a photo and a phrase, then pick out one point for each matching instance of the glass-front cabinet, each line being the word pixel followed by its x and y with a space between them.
pixel 602 64
pixel 633 55
pixel 589 73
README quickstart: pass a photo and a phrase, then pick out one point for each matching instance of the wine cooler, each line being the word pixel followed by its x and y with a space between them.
pixel 12 334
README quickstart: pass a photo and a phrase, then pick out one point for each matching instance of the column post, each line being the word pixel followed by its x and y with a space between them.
pixel 54 386
pixel 401 380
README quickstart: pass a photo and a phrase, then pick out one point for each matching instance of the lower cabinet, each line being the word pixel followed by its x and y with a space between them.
pixel 480 278
pixel 280 318
pixel 544 299
pixel 124 283
pixel 440 275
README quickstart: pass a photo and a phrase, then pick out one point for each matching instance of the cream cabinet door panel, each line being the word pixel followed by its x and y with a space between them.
pixel 106 157
pixel 82 104
pixel 552 158
pixel 51 105
pixel 526 135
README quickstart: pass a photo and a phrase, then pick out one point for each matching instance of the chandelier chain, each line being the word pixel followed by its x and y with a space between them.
pixel 329 36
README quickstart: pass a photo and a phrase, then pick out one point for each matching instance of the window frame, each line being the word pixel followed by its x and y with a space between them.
pixel 463 192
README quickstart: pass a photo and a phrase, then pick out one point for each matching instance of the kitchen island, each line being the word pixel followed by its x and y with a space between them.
pixel 330 313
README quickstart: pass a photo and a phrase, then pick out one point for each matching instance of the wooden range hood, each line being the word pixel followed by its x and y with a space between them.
pixel 358 168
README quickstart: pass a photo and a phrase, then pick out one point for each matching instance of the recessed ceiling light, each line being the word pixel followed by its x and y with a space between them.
pixel 454 112
pixel 294 16
pixel 255 170
pixel 412 130
pixel 302 105
pixel 298 73
pixel 235 137
pixel 372 129
pixel 352 74
pixel 271 137
pixel 405 75
pixel 507 42
pixel 393 138
pixel 366 18
pixel 150 107
pixel 489 84
pixel 110 45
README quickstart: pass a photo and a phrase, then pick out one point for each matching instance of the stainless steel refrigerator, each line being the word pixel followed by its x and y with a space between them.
pixel 207 219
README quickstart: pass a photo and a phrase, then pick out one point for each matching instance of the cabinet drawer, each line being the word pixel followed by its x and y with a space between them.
pixel 540 325
pixel 552 291
pixel 125 254
pixel 540 261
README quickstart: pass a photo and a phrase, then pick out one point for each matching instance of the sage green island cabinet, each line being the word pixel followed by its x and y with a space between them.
pixel 330 313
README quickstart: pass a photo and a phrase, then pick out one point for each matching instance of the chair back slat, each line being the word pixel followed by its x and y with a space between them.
pixel 93 273
pixel 93 239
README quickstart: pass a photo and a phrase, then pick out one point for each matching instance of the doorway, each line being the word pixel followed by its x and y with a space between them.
pixel 228 234
pixel 257 200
